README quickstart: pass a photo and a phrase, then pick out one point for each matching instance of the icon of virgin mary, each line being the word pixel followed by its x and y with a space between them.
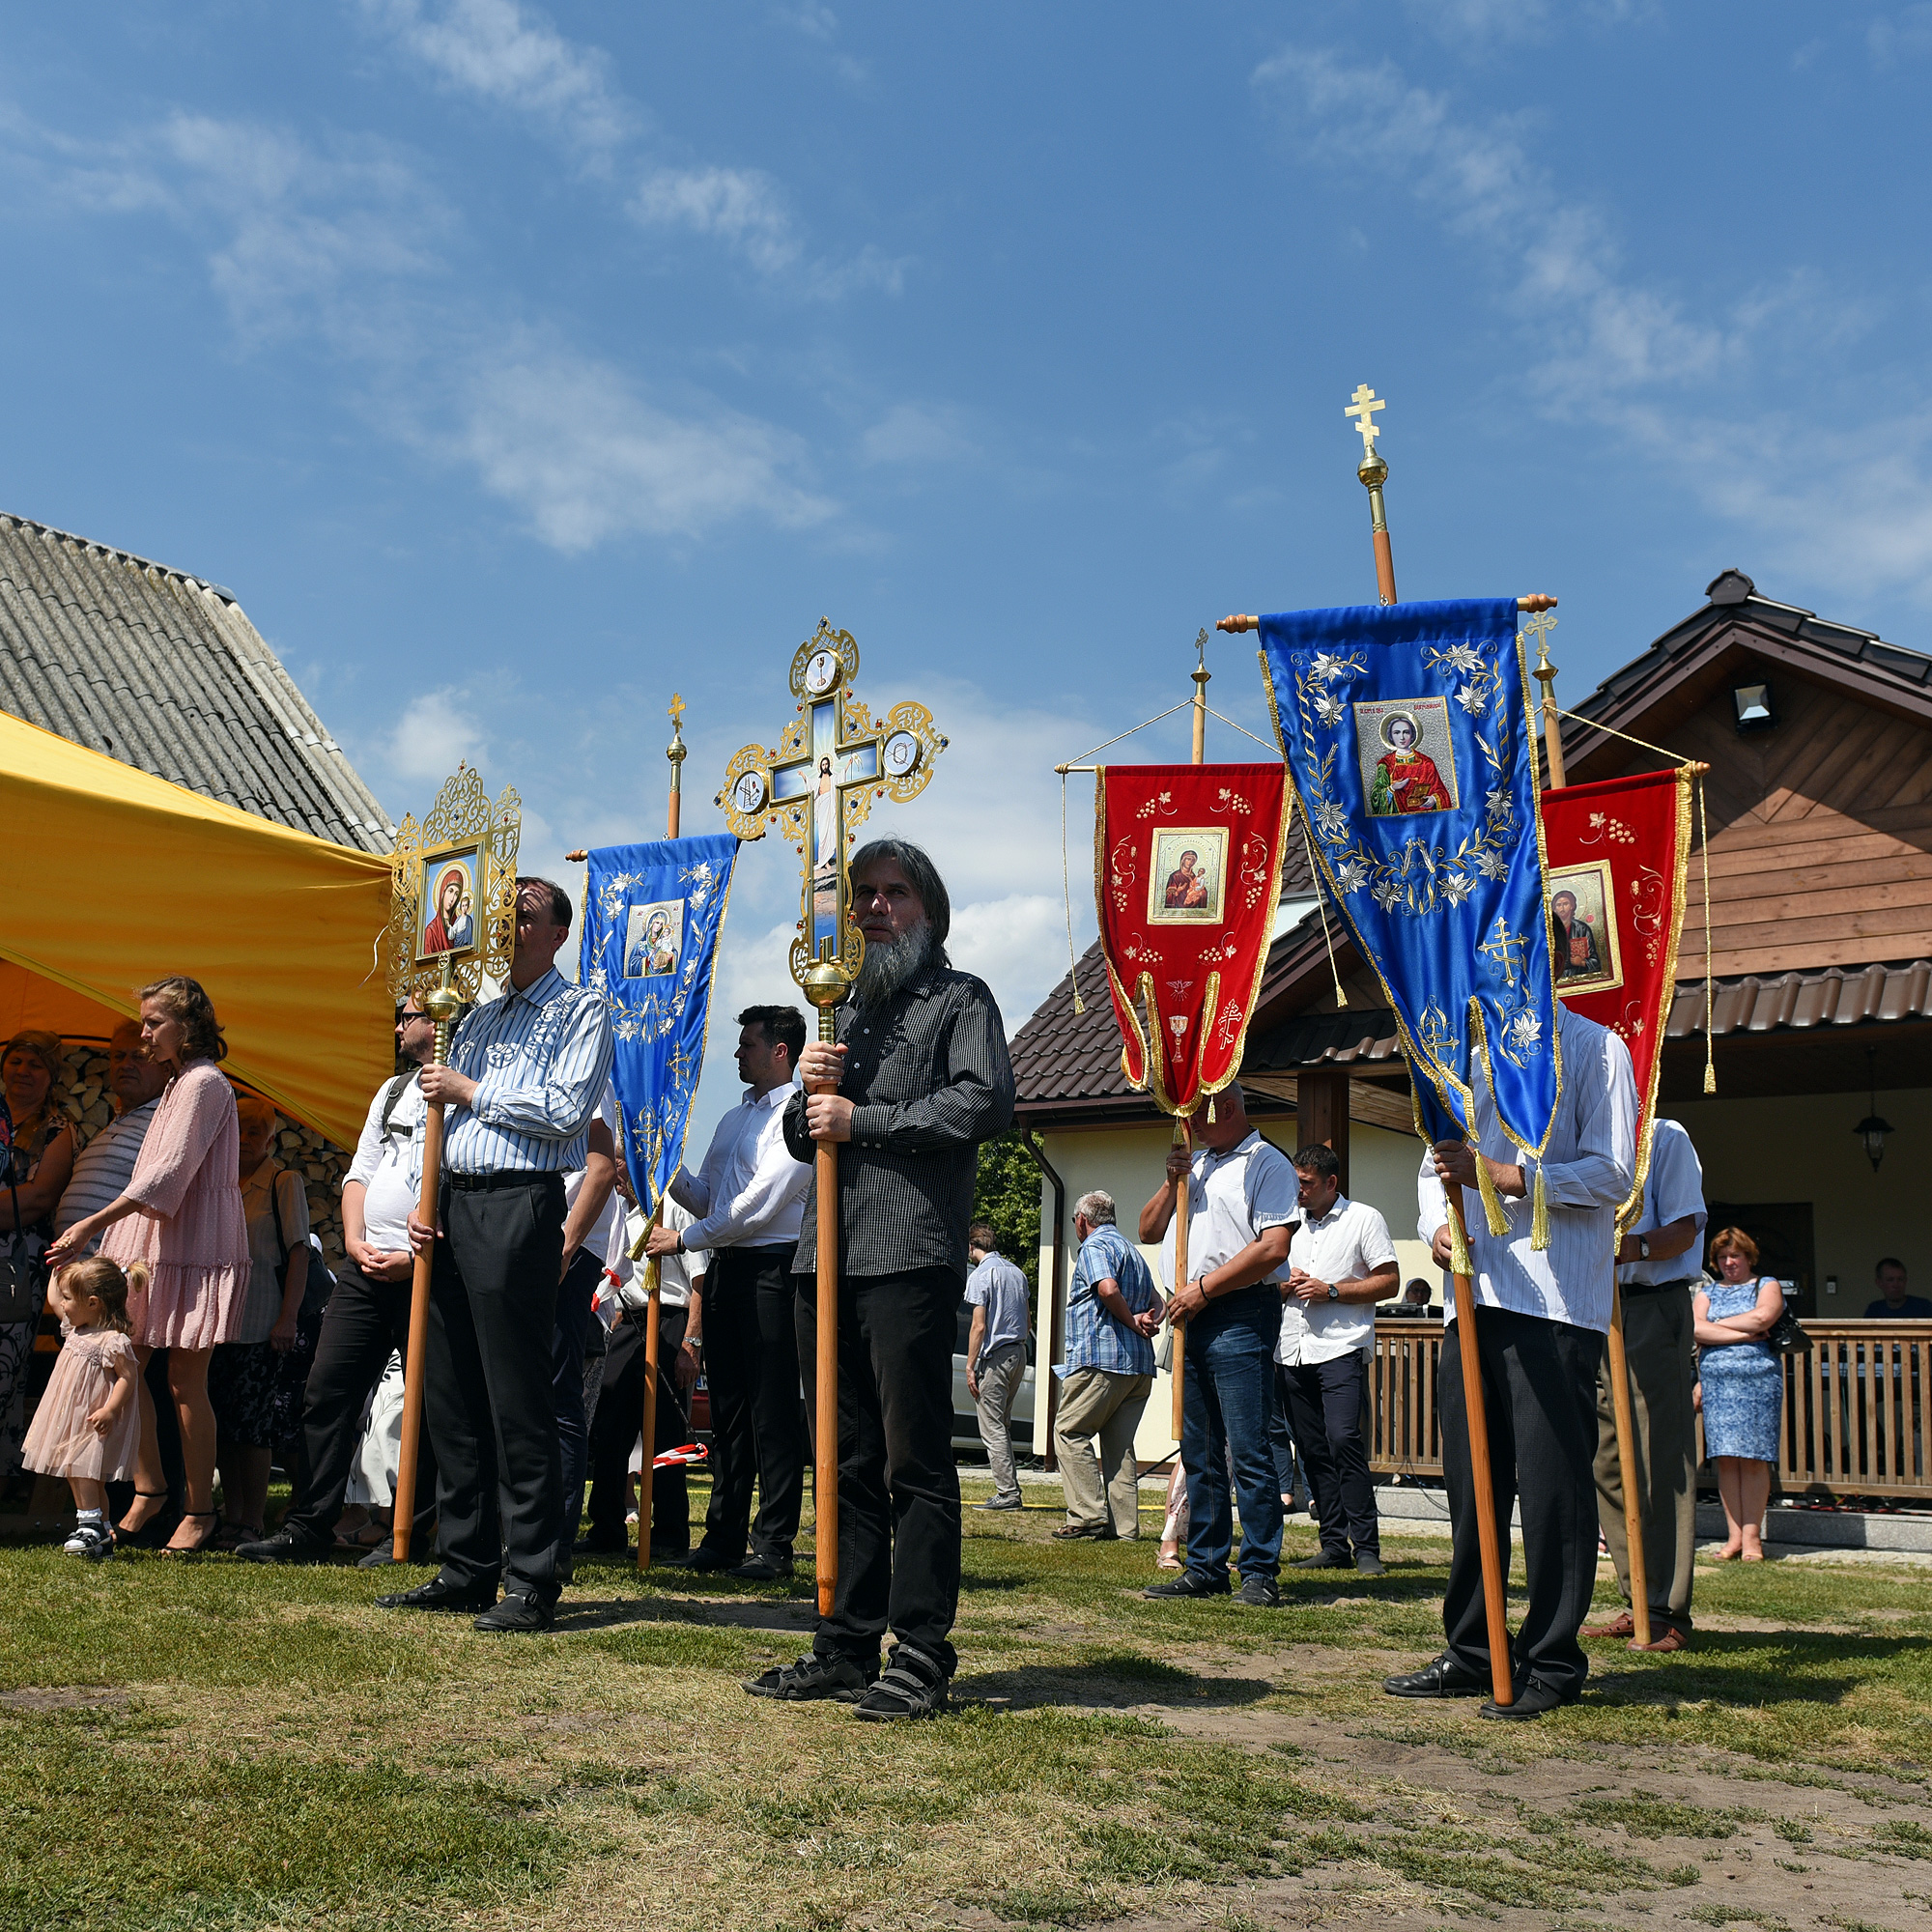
pixel 450 891
pixel 1406 779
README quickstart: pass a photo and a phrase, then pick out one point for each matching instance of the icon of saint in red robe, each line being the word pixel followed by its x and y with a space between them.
pixel 1406 779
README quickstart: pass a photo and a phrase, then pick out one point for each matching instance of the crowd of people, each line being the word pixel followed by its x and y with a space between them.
pixel 204 1335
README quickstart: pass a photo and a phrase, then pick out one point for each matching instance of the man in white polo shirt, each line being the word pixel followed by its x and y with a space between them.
pixel 1341 1263
pixel 1241 1202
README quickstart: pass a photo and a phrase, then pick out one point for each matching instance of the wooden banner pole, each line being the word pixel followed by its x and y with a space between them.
pixel 1619 1359
pixel 442 1006
pixel 653 1273
pixel 1182 1188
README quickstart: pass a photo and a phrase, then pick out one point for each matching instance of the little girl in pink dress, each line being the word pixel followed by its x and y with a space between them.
pixel 88 1425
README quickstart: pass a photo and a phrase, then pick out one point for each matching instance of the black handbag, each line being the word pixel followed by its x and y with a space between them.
pixel 23 1270
pixel 1786 1336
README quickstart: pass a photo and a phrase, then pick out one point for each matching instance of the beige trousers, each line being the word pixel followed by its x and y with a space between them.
pixel 1102 1491
pixel 1662 1371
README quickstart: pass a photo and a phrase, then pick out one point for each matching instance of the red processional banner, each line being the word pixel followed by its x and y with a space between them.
pixel 1186 873
pixel 1615 854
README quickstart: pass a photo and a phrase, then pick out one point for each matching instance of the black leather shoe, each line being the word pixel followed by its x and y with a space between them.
pixel 1368 1563
pixel 1325 1560
pixel 1189 1583
pixel 287 1546
pixel 1259 1593
pixel 437 1595
pixel 1531 1700
pixel 517 1616
pixel 1444 1678
pixel 384 1553
pixel 761 1569
pixel 703 1558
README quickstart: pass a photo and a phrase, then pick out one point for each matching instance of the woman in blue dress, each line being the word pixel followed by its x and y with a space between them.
pixel 1742 1383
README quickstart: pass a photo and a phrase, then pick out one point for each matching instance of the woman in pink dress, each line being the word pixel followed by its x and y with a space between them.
pixel 181 1217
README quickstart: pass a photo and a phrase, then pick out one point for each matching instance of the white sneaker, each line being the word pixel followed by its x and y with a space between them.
pixel 92 1540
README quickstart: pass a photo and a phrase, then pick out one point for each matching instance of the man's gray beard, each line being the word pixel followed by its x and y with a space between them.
pixel 890 964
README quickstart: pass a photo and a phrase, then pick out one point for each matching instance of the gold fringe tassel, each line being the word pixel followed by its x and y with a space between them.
pixel 1493 1202
pixel 1704 853
pixel 1458 1250
pixel 1539 1213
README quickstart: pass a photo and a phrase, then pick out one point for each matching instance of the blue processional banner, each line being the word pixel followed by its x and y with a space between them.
pixel 651 927
pixel 1407 733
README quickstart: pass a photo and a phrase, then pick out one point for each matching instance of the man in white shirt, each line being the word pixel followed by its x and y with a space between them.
pixel 1341 1263
pixel 749 1199
pixel 1242 1199
pixel 367 1319
pixel 620 1408
pixel 1658 1274
pixel 1542 1318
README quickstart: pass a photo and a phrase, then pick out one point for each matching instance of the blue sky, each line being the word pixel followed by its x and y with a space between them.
pixel 518 365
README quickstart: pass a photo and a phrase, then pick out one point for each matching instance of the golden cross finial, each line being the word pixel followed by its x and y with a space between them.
pixel 1201 645
pixel 674 711
pixel 1363 406
pixel 1541 625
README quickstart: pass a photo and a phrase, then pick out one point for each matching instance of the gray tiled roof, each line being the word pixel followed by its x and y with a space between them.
pixel 163 671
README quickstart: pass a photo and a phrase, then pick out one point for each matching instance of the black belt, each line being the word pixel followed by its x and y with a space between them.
pixel 1631 1288
pixel 490 1183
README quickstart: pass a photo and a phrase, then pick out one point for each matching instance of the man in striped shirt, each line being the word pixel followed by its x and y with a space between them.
pixel 526 1070
pixel 1540 1318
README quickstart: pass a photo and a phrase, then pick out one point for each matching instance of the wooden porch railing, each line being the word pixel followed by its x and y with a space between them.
pixel 1856 1419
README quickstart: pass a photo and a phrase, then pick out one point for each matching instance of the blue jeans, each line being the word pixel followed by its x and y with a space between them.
pixel 1229 1409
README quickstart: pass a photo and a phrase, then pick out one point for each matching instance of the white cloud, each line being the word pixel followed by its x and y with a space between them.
pixel 740 206
pixel 1894 38
pixel 435 733
pixel 1705 395
pixel 747 210
pixel 586 457
pixel 915 432
pixel 513 56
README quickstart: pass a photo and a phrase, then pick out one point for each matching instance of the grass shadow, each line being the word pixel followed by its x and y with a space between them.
pixel 1119 1680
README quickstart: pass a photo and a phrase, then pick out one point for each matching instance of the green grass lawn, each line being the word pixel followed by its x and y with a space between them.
pixel 207 1744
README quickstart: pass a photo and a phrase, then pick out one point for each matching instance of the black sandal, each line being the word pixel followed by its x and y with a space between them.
pixel 154 1531
pixel 206 1543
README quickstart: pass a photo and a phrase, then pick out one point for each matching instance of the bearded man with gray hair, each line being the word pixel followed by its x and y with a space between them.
pixel 918 1078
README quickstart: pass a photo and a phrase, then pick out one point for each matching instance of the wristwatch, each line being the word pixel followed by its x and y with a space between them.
pixel 1642 1248
pixel 1334 1292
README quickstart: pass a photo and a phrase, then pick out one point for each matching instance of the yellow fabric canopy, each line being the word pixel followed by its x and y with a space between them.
pixel 115 878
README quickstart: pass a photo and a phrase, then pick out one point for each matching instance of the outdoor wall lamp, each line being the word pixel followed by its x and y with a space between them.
pixel 1753 707
pixel 1872 1131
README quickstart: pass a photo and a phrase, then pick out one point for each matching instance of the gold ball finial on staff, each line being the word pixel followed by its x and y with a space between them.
pixel 675 749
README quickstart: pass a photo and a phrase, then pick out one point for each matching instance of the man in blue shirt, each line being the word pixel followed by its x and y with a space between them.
pixel 527 1071
pixel 1113 1312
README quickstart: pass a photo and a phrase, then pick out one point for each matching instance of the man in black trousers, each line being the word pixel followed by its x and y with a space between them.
pixel 922 1078
pixel 367 1319
pixel 747 1196
pixel 526 1070
pixel 1540 1318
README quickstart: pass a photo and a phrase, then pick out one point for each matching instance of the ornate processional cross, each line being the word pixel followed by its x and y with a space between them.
pixel 832 762
pixel 1363 406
